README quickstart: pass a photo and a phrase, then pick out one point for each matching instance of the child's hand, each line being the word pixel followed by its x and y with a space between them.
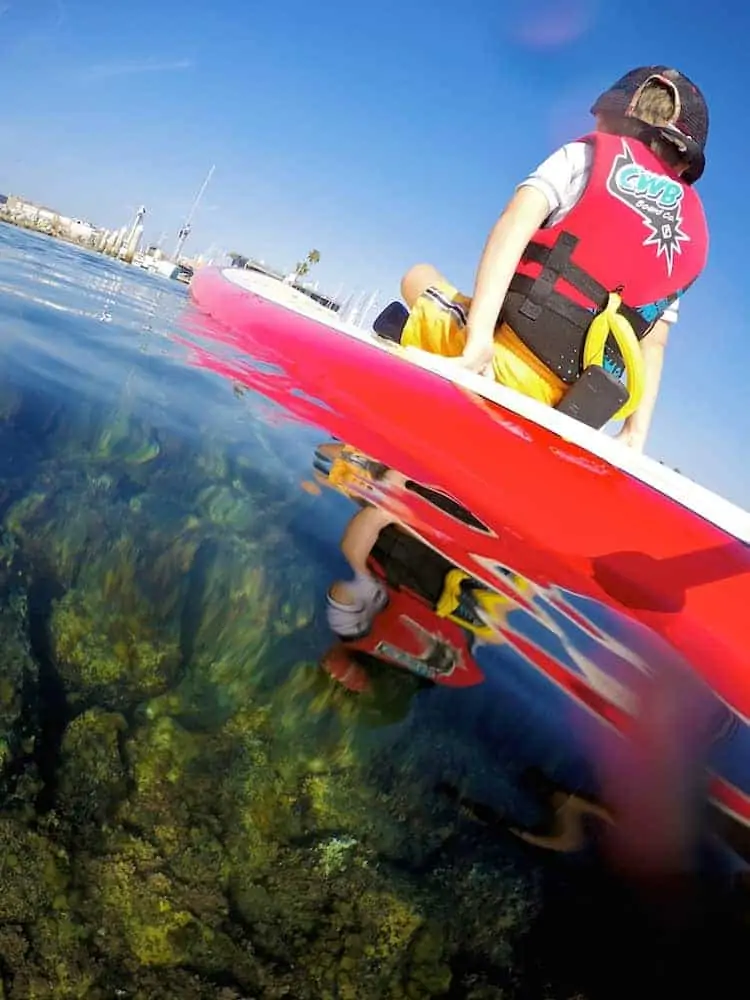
pixel 631 438
pixel 477 356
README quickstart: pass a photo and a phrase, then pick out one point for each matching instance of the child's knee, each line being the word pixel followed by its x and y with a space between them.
pixel 417 279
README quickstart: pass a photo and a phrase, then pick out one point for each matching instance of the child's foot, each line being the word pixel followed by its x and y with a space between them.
pixel 353 619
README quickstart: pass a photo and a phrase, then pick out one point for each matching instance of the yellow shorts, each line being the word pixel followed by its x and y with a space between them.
pixel 437 324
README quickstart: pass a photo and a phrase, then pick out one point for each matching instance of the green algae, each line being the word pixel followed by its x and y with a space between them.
pixel 91 778
pixel 109 655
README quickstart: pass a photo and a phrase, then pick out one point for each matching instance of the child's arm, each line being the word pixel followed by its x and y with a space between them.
pixel 635 429
pixel 524 214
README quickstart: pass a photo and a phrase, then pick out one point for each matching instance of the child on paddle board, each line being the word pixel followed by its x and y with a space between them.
pixel 610 223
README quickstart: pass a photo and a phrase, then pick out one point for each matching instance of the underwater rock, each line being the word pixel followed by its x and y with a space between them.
pixel 226 506
pixel 19 681
pixel 126 439
pixel 145 917
pixel 356 933
pixel 102 435
pixel 96 527
pixel 60 963
pixel 172 802
pixel 10 573
pixel 14 946
pixel 227 838
pixel 91 775
pixel 108 654
pixel 32 873
pixel 16 662
pixel 246 621
pixel 57 523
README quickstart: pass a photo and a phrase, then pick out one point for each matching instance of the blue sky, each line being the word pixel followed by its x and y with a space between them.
pixel 381 134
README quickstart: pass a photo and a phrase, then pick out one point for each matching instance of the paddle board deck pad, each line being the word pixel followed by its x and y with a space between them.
pixel 592 565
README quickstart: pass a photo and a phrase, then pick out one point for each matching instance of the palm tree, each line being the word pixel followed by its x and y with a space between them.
pixel 304 266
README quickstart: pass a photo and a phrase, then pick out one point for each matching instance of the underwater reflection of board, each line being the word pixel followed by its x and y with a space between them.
pixel 584 656
pixel 591 524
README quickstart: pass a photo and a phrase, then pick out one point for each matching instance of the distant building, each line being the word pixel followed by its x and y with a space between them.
pixel 47 220
pixel 250 264
pixel 81 231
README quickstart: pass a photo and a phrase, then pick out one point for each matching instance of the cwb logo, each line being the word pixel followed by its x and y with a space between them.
pixel 636 180
pixel 656 198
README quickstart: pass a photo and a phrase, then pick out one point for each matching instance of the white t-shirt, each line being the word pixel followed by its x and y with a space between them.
pixel 562 179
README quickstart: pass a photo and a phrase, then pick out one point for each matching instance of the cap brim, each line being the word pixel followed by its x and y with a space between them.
pixel 695 170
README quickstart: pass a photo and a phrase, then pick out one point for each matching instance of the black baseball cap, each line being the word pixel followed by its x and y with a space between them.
pixel 688 129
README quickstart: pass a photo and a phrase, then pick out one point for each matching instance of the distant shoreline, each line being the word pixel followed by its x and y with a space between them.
pixel 279 292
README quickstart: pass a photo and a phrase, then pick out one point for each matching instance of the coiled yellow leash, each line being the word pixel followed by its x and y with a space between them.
pixel 610 322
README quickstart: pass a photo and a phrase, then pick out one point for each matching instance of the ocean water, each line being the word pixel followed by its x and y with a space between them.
pixel 201 796
pixel 191 806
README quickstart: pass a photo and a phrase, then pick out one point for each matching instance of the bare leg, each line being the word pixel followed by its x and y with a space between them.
pixel 357 543
pixel 417 279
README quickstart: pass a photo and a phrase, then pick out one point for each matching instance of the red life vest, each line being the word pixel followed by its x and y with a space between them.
pixel 637 229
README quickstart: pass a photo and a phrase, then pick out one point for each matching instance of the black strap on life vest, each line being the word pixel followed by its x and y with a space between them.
pixel 551 325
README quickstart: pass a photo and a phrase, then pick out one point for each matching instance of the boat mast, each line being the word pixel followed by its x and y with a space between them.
pixel 185 231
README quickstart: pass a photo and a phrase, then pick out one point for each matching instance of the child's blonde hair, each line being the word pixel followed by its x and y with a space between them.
pixel 657 103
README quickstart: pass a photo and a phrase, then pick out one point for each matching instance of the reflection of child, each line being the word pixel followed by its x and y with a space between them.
pixel 573 233
pixel 353 604
pixel 566 815
pixel 339 465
